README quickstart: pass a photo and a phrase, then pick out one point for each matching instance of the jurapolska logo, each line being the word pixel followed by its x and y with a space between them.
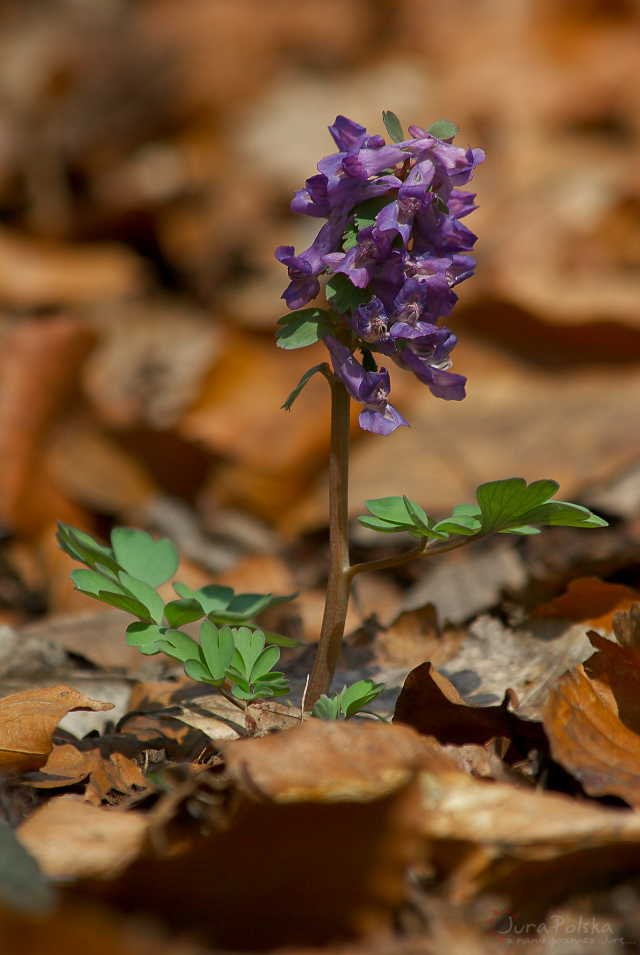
pixel 557 930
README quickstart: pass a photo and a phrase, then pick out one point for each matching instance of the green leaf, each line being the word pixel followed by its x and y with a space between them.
pixel 392 509
pixel 143 637
pixel 367 212
pixel 186 610
pixel 22 886
pixel 327 708
pixel 302 330
pixel 241 693
pixel 129 604
pixel 423 523
pixel 443 129
pixel 356 696
pixel 284 599
pixel 302 313
pixel 249 604
pixel 196 670
pixel 393 126
pixel 463 510
pixel 562 513
pixel 145 594
pixel 81 546
pixel 277 639
pixel 265 662
pixel 179 645
pixel 461 524
pixel 383 527
pixel 524 529
pixel 248 647
pixel 217 649
pixel 298 388
pixel 342 295
pixel 91 582
pixel 504 503
pixel 212 597
pixel 276 687
pixel 151 561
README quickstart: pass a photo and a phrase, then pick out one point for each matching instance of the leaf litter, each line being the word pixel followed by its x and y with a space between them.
pixel 136 286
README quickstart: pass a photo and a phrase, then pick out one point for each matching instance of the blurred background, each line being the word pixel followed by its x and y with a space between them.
pixel 149 150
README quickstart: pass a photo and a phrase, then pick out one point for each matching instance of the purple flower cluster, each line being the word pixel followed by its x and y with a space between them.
pixel 394 239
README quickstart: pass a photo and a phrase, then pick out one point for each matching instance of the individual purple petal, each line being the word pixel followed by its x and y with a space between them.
pixel 364 161
pixel 368 387
pixel 461 203
pixel 346 133
pixel 441 383
pixel 371 419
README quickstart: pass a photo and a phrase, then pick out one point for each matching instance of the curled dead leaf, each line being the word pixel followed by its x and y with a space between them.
pixel 431 704
pixel 28 721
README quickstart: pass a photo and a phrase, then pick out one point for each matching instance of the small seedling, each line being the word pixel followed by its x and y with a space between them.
pixel 393 248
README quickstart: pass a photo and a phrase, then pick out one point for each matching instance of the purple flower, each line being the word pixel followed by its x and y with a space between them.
pixel 398 215
pixel 304 268
pixel 346 133
pixel 408 261
pixel 370 321
pixel 360 261
pixel 370 388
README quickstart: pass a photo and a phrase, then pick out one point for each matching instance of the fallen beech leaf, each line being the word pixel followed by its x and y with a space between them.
pixel 110 774
pixel 588 739
pixel 72 840
pixel 592 717
pixel 39 363
pixel 212 715
pixel 35 273
pixel 615 669
pixel 508 839
pixel 591 600
pixel 342 793
pixel 331 762
pixel 432 705
pixel 28 721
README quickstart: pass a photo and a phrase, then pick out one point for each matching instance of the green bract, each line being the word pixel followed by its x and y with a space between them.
pixel 302 328
pixel 504 507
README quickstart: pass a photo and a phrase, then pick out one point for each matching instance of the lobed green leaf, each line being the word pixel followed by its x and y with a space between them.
pixel 151 561
pixel 185 610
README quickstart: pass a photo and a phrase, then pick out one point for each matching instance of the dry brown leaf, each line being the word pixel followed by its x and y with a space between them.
pixel 588 739
pixel 509 839
pixel 111 775
pixel 331 762
pixel 73 840
pixel 592 717
pixel 35 273
pixel 414 637
pixel 40 360
pixel 28 721
pixel 432 705
pixel 591 600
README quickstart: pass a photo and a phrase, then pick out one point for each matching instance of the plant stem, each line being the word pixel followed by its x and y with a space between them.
pixel 424 549
pixel 335 610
